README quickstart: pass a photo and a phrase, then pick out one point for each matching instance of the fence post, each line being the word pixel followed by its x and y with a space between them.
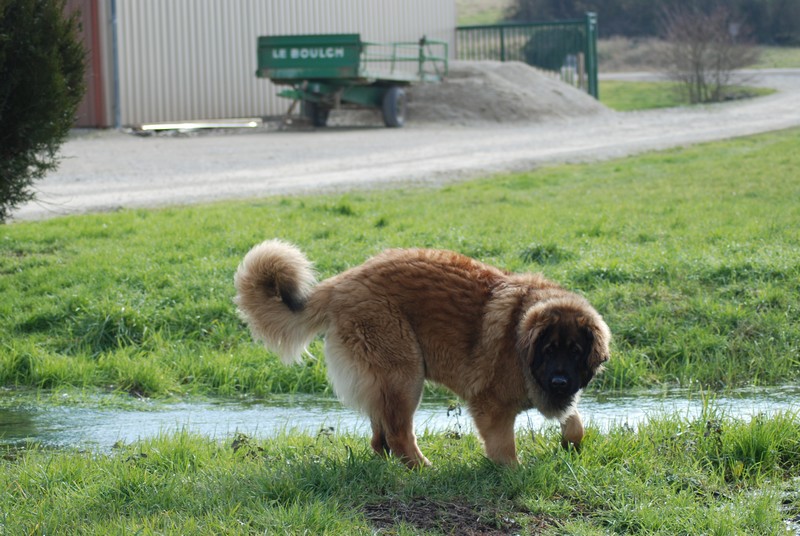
pixel 502 44
pixel 591 54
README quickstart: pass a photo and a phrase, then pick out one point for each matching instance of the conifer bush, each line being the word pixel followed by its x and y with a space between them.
pixel 42 63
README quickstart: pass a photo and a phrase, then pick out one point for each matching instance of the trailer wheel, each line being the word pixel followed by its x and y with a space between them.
pixel 318 113
pixel 394 107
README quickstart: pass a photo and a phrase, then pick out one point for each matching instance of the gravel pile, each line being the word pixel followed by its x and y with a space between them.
pixel 497 92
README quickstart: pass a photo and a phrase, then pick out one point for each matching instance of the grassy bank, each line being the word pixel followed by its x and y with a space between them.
pixel 691 254
pixel 715 475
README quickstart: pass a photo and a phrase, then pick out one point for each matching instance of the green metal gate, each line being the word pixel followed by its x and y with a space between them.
pixel 567 47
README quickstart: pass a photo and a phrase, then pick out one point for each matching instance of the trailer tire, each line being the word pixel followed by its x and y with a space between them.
pixel 394 107
pixel 317 113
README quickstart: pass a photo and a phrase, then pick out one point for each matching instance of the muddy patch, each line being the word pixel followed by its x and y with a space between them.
pixel 448 517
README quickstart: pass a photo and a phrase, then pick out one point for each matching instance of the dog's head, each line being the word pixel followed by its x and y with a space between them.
pixel 565 342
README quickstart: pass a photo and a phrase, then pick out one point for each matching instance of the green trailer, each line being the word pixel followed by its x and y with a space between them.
pixel 331 71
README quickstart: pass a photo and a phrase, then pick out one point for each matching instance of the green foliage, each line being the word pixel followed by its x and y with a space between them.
pixel 712 475
pixel 41 84
pixel 772 22
pixel 548 46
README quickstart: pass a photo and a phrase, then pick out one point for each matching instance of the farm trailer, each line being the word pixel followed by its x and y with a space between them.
pixel 333 71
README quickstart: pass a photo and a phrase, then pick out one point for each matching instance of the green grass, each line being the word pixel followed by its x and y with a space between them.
pixel 481 12
pixel 491 16
pixel 778 58
pixel 620 54
pixel 628 96
pixel 714 475
pixel 692 255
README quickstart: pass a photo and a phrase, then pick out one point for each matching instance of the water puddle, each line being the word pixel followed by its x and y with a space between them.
pixel 99 428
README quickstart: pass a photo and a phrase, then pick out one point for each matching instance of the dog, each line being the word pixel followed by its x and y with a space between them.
pixel 502 342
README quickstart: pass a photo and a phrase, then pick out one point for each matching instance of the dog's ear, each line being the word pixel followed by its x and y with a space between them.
pixel 534 325
pixel 600 337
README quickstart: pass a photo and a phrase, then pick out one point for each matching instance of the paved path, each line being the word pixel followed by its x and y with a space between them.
pixel 106 170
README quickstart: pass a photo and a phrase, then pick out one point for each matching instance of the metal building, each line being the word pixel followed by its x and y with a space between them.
pixel 177 60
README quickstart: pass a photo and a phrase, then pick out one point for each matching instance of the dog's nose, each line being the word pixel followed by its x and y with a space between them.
pixel 559 382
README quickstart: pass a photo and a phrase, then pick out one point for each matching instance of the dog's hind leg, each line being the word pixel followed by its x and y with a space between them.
pixel 394 409
pixel 384 380
pixel 379 444
pixel 496 427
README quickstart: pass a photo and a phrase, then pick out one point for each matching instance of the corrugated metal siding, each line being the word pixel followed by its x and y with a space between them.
pixel 196 59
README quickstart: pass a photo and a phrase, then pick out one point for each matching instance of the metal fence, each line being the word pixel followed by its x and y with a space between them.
pixel 566 48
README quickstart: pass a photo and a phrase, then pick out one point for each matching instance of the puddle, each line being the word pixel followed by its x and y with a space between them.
pixel 99 428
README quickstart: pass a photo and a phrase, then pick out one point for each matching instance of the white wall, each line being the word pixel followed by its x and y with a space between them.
pixel 196 59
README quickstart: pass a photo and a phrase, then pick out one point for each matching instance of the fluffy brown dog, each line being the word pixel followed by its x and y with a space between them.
pixel 502 342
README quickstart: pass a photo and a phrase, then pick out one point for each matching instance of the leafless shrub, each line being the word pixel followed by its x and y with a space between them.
pixel 703 51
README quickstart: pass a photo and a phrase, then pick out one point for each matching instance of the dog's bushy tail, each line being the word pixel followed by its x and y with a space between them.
pixel 273 285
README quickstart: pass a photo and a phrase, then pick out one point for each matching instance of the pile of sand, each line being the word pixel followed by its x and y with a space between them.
pixel 498 92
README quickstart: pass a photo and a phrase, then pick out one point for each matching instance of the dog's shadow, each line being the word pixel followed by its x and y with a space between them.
pixel 346 466
pixel 462 490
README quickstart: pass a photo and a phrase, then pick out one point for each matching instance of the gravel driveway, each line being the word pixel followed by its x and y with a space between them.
pixel 107 170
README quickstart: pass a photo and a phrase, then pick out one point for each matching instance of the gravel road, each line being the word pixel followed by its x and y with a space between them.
pixel 107 170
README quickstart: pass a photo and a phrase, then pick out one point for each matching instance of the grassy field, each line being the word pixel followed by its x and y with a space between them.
pixel 618 54
pixel 715 475
pixel 691 255
pixel 778 58
pixel 627 96
pixel 481 11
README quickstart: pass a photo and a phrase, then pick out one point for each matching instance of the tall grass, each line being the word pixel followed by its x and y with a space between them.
pixel 691 255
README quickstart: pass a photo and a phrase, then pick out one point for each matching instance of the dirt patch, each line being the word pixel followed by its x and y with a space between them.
pixel 497 92
pixel 447 517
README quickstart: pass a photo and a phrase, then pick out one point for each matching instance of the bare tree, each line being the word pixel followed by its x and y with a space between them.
pixel 704 49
